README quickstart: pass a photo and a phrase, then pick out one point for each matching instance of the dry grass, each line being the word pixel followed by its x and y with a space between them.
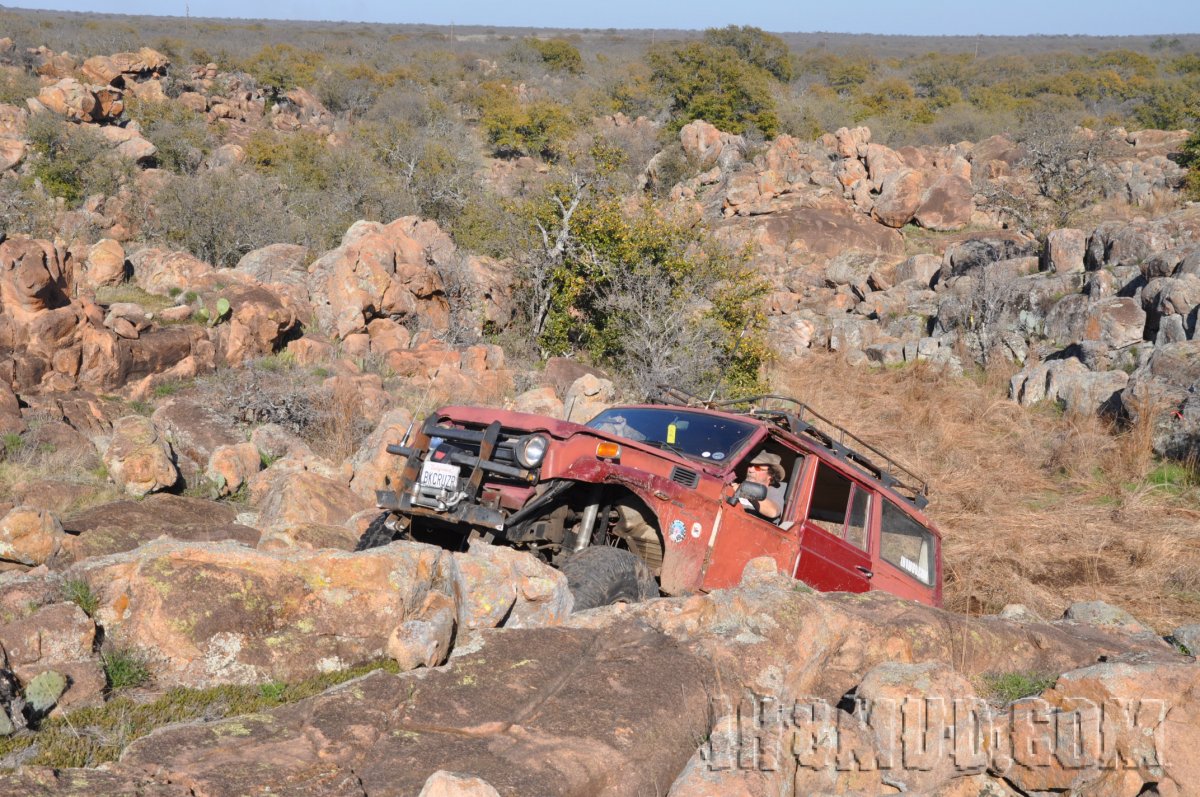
pixel 1035 507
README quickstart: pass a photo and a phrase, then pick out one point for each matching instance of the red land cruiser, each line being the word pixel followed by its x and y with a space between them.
pixel 654 497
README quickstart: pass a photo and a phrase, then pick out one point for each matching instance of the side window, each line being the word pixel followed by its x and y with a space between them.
pixel 906 544
pixel 860 512
pixel 831 496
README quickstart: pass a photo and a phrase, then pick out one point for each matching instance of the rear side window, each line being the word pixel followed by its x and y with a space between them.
pixel 906 544
pixel 840 506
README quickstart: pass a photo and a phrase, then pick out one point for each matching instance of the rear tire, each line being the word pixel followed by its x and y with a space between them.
pixel 376 535
pixel 601 575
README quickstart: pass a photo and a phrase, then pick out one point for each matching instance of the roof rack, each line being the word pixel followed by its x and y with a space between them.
pixel 803 420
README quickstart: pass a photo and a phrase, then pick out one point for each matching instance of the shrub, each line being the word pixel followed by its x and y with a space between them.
pixel 1007 687
pixel 537 127
pixel 73 162
pixel 278 68
pixel 219 215
pixel 181 135
pixel 16 85
pixel 713 83
pixel 559 55
pixel 124 668
pixel 79 592
pixel 756 47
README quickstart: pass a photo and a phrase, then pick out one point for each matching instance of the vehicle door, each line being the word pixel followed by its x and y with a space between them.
pixel 741 534
pixel 835 533
pixel 906 562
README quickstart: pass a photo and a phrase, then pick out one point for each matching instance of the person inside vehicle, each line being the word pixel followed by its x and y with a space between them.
pixel 766 469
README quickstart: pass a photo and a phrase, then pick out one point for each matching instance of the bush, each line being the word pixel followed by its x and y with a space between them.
pixel 756 47
pixel 713 83
pixel 537 127
pixel 124 668
pixel 73 162
pixel 559 55
pixel 278 68
pixel 219 215
pixel 16 85
pixel 181 135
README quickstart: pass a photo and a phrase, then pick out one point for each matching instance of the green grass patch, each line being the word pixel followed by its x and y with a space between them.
pixel 139 407
pixel 79 592
pixel 124 668
pixel 128 292
pixel 1005 687
pixel 11 444
pixel 93 736
pixel 169 388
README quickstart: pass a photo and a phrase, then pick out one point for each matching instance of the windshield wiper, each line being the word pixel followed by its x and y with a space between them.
pixel 668 446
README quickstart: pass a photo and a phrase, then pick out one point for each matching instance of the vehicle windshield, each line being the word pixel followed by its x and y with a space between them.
pixel 693 434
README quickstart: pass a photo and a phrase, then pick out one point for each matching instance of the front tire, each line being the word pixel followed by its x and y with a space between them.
pixel 377 534
pixel 601 575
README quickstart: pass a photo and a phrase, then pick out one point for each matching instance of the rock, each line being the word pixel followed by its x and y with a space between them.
pixel 947 204
pixel 373 465
pixel 1132 725
pixel 379 270
pixel 282 265
pixel 138 459
pixel 79 103
pixel 852 143
pixel 230 467
pixel 539 401
pixel 1189 637
pixel 500 585
pixel 217 613
pixel 129 143
pixel 105 264
pixel 50 636
pixel 449 784
pixel 305 497
pixel 125 525
pixel 587 397
pixel 12 153
pixel 274 442
pixel 196 431
pixel 388 734
pixel 29 537
pixel 922 268
pixel 1105 615
pixel 899 198
pixel 1065 250
pixel 701 143
pixel 1071 384
pixel 424 641
pixel 983 250
pixel 1020 613
pixel 43 782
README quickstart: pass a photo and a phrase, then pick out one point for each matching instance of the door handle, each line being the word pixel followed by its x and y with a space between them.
pixel 866 571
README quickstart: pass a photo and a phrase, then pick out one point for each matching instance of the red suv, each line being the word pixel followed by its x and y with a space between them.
pixel 656 497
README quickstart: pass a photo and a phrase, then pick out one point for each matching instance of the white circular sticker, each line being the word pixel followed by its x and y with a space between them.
pixel 717 455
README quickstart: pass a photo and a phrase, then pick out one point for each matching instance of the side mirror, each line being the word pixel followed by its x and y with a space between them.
pixel 751 491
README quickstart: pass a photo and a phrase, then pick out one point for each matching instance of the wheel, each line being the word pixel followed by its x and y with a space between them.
pixel 601 575
pixel 377 533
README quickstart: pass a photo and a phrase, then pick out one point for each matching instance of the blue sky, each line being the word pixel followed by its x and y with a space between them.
pixel 918 17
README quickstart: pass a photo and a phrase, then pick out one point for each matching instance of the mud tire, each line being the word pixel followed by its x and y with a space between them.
pixel 601 575
pixel 376 535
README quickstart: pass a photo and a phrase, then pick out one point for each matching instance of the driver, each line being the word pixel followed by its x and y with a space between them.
pixel 766 469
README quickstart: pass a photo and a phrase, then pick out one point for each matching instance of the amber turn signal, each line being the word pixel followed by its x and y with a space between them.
pixel 608 451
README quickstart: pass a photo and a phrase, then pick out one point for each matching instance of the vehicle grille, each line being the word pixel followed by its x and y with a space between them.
pixel 688 478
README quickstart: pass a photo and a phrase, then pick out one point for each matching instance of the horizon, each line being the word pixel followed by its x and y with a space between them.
pixel 1105 18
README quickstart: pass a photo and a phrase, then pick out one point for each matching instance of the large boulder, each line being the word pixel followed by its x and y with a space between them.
pixel 220 613
pixel 303 497
pixel 501 586
pixel 138 458
pixel 195 430
pixel 899 197
pixel 379 270
pixel 29 537
pixel 122 526
pixel 947 204
pixel 105 264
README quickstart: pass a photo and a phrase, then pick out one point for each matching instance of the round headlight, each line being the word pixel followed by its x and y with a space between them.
pixel 531 450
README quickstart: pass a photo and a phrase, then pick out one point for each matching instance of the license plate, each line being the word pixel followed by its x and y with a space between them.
pixel 439 475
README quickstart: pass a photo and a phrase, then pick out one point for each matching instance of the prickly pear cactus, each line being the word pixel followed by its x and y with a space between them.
pixel 44 691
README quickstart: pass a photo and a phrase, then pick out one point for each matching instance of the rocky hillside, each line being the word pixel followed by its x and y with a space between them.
pixel 197 394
